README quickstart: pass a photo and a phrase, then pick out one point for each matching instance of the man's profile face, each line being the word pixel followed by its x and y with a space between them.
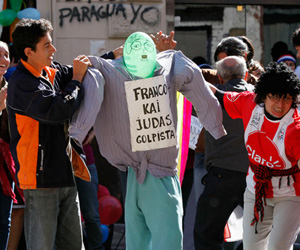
pixel 43 54
pixel 298 51
pixel 140 55
pixel 290 64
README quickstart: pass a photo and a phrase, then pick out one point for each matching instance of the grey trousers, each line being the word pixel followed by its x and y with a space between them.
pixel 280 225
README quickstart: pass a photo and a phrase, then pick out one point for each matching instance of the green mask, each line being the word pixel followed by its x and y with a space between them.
pixel 140 55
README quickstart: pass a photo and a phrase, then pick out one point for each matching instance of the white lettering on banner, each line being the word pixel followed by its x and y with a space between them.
pixel 195 130
pixel 151 120
pixel 261 161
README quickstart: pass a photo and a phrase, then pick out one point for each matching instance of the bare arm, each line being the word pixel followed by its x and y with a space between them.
pixel 212 87
pixel 118 52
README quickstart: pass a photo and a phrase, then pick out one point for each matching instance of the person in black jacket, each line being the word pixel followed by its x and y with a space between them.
pixel 42 97
pixel 227 163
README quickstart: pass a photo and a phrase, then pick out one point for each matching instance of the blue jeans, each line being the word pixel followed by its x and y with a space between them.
pixel 89 208
pixel 5 218
pixel 224 190
pixel 52 219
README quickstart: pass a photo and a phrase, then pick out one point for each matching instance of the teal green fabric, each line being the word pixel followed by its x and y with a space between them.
pixel 153 213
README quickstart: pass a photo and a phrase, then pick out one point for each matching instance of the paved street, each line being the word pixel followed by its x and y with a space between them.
pixel 118 242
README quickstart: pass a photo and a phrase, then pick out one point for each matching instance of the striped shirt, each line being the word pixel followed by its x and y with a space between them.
pixel 112 125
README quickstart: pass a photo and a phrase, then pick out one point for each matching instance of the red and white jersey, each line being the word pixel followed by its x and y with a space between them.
pixel 271 143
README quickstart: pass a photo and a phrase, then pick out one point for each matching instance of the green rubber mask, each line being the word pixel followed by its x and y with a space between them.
pixel 140 55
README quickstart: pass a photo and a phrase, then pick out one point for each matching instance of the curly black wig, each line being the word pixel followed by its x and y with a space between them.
pixel 278 79
pixel 296 37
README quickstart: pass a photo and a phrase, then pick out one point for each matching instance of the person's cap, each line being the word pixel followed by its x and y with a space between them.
pixel 286 58
pixel 204 66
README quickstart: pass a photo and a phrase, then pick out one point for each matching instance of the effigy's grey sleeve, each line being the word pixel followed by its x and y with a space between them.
pixel 84 118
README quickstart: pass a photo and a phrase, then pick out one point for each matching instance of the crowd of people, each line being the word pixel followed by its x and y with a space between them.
pixel 247 153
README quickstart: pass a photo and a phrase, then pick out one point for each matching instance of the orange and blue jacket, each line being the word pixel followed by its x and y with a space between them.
pixel 39 110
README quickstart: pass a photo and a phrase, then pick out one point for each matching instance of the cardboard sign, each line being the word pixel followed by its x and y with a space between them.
pixel 151 120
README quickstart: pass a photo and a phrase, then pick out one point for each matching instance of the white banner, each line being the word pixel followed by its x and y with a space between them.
pixel 196 128
pixel 234 228
pixel 151 121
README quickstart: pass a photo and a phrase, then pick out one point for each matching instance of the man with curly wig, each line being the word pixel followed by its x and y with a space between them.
pixel 272 137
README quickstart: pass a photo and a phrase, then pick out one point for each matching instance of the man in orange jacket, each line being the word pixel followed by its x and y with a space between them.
pixel 42 97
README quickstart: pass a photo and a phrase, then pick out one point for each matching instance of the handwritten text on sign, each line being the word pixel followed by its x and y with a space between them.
pixel 151 121
pixel 196 128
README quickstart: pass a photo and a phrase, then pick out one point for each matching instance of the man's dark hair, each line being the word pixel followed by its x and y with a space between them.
pixel 199 60
pixel 296 37
pixel 14 57
pixel 232 46
pixel 278 79
pixel 28 33
pixel 250 47
pixel 279 48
